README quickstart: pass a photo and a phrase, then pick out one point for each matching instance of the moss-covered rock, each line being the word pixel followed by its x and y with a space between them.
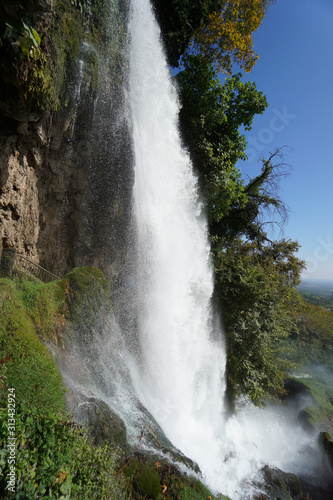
pixel 26 310
pixel 319 409
pixel 149 477
pixel 86 289
pixel 280 485
pixel 143 480
pixel 103 425
pixel 326 443
pixel 33 314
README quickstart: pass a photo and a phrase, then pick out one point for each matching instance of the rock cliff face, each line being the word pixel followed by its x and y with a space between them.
pixel 65 149
pixel 19 213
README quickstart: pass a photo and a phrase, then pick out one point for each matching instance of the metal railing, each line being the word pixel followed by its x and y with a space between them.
pixel 13 264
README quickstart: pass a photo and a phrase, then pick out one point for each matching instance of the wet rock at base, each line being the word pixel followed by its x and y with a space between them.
pixel 279 485
pixel 326 444
pixel 103 425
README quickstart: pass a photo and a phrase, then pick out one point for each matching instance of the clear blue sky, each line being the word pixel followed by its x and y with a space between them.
pixel 295 72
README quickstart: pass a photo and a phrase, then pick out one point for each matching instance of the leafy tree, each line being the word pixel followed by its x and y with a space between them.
pixel 226 37
pixel 220 31
pixel 211 117
pixel 179 19
pixel 255 286
pixel 255 278
pixel 247 215
pixel 212 113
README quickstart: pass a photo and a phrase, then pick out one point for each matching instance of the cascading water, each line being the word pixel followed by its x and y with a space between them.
pixel 178 372
pixel 181 372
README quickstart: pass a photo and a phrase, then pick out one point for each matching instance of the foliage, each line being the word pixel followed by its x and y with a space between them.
pixel 41 64
pixel 25 309
pixel 261 201
pixel 144 479
pixel 219 31
pixel 36 81
pixel 325 301
pixel 255 285
pixel 313 342
pixel 227 34
pixel 28 36
pixel 256 278
pixel 214 112
pixel 55 459
pixel 179 19
pixel 33 72
pixel 212 116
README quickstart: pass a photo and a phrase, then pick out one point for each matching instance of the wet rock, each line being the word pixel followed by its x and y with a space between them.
pixel 147 477
pixel 153 437
pixel 298 395
pixel 304 418
pixel 279 485
pixel 103 425
pixel 326 444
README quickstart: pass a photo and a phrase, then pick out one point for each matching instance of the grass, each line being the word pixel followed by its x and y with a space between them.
pixel 26 311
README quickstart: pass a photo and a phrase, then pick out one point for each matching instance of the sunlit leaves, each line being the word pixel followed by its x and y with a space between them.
pixel 226 37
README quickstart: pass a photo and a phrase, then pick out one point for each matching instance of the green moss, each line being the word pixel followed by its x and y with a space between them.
pixel 144 479
pixel 30 368
pixel 86 291
pixel 36 82
pixel 197 491
pixel 142 471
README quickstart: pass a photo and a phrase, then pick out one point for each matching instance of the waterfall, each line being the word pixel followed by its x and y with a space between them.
pixel 178 368
pixel 179 376
pixel 180 373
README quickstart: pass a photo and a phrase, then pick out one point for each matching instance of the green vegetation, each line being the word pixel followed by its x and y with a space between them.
pixel 54 458
pixel 220 31
pixel 314 335
pixel 26 311
pixel 179 19
pixel 255 278
pixel 255 287
pixel 146 477
pixel 41 64
pixel 211 117
pixel 317 297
